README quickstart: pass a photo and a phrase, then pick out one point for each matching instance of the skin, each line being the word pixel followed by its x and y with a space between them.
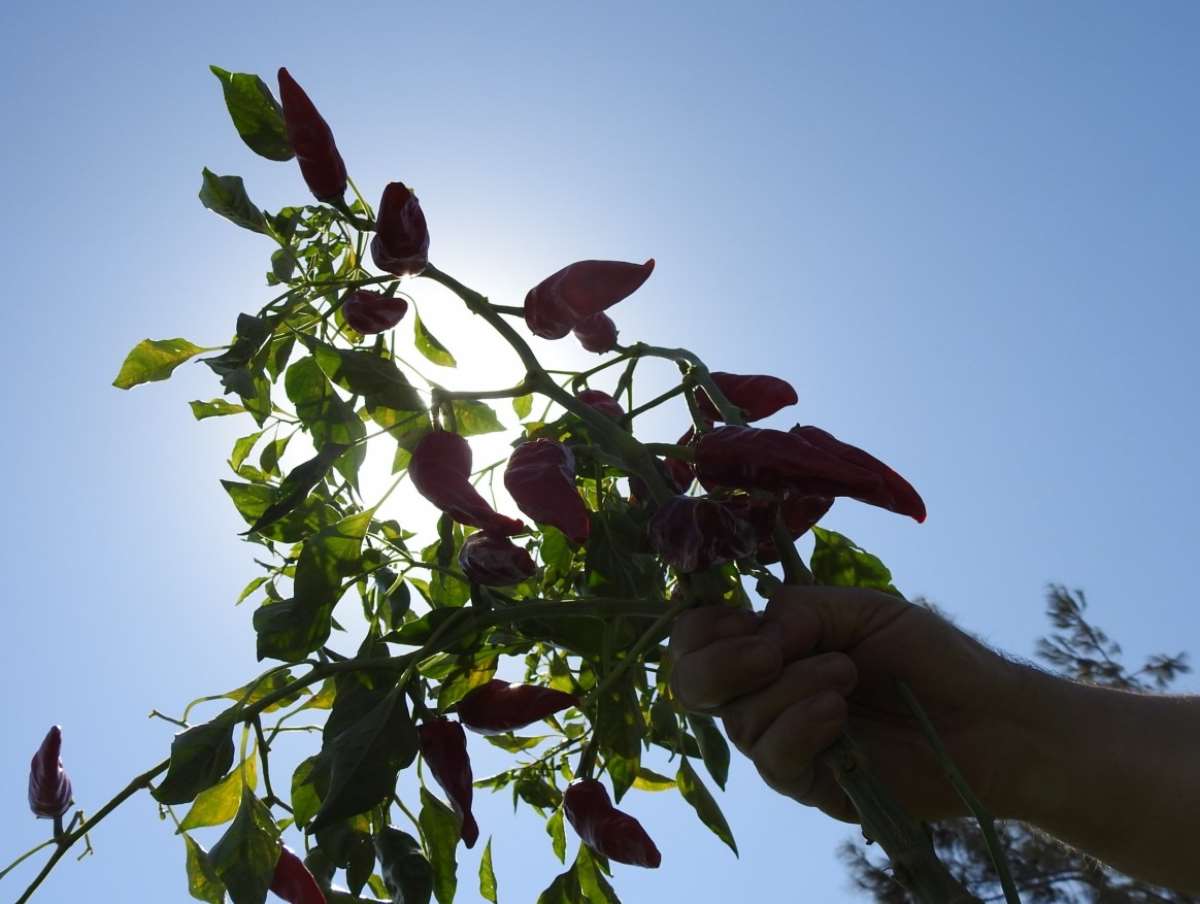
pixel 1085 764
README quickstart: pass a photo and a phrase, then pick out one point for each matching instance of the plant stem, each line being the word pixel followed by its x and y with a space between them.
pixel 655 402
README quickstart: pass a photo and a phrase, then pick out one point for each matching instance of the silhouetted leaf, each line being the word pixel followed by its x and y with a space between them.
pixel 702 802
pixel 407 875
pixel 838 562
pixel 154 359
pixel 255 113
pixel 226 195
pixel 487 876
pixel 245 856
pixel 219 804
pixel 214 408
pixel 474 418
pixel 441 829
pixel 713 748
pixel 429 346
pixel 203 883
pixel 200 756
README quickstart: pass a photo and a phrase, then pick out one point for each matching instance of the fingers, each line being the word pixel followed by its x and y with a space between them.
pixel 698 628
pixel 724 670
pixel 805 620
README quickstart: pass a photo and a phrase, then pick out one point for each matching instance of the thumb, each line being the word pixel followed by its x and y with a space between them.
pixel 810 620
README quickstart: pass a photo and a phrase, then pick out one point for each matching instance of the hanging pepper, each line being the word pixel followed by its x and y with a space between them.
pixel 293 882
pixel 597 333
pixel 799 513
pixel 311 138
pixel 444 750
pixel 50 793
pixel 494 561
pixel 498 707
pixel 373 312
pixel 540 476
pixel 682 472
pixel 757 395
pixel 693 533
pixel 605 829
pixel 564 300
pixel 401 243
pixel 441 471
pixel 602 402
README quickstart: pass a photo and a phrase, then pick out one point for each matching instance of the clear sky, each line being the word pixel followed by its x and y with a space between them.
pixel 968 233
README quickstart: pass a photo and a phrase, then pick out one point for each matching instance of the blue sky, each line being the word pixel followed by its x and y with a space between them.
pixel 967 233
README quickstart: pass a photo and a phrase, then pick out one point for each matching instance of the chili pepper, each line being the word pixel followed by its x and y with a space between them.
pixel 540 476
pixel 602 402
pixel 905 499
pixel 497 707
pixel 441 471
pixel 563 300
pixel 605 829
pixel 444 749
pixel 597 333
pixel 401 243
pixel 50 793
pixel 312 140
pixel 757 395
pixel 293 882
pixel 682 472
pixel 799 513
pixel 373 312
pixel 693 533
pixel 494 561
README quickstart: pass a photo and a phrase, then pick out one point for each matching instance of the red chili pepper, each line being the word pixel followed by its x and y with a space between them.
pixel 682 472
pixel 401 243
pixel 800 513
pixel 293 882
pixel 494 561
pixel 757 395
pixel 497 707
pixel 441 470
pixel 602 402
pixel 564 300
pixel 597 333
pixel 693 533
pixel 605 829
pixel 906 499
pixel 540 476
pixel 373 312
pixel 444 749
pixel 312 140
pixel 50 794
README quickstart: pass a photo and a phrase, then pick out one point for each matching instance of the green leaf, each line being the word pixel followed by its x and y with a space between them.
pixel 296 486
pixel 563 890
pixel 441 829
pixel 252 500
pixel 487 876
pixel 255 113
pixel 325 414
pixel 838 562
pixel 514 744
pixel 407 875
pixel 620 726
pixel 254 584
pixel 219 804
pixel 310 784
pixel 591 879
pixel 215 408
pixel 417 633
pixel 253 691
pixel 200 756
pixel 244 858
pixel 616 563
pixel 226 195
pixel 429 346
pixel 367 374
pixel 366 758
pixel 474 418
pixel 713 748
pixel 242 448
pixel 702 802
pixel 523 405
pixel 649 780
pixel 272 452
pixel 154 359
pixel 465 680
pixel 203 883
pixel 558 835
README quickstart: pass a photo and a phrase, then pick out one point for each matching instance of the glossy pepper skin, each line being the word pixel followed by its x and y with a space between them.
pixel 292 881
pixel 401 242
pixel 540 477
pixel 444 750
pixel 564 300
pixel 597 334
pixel 441 471
pixel 497 707
pixel 602 402
pixel 757 395
pixel 693 533
pixel 370 312
pixel 50 793
pixel 604 828
pixel 312 140
pixel 494 561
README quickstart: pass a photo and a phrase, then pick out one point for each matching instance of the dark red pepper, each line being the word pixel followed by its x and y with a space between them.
pixel 444 750
pixel 497 707
pixel 906 499
pixel 373 312
pixel 494 560
pixel 693 533
pixel 401 243
pixel 597 333
pixel 50 794
pixel 682 472
pixel 800 513
pixel 564 300
pixel 312 140
pixel 540 477
pixel 605 829
pixel 293 882
pixel 602 402
pixel 757 395
pixel 441 471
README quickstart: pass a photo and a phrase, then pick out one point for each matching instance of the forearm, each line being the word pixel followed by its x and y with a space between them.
pixel 1113 773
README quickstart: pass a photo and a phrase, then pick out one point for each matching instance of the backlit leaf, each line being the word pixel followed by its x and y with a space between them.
pixel 154 359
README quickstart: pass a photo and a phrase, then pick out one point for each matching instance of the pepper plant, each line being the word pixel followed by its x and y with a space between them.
pixel 612 537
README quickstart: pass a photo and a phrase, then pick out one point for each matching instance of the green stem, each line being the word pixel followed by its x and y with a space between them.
pixel 512 392
pixel 29 853
pixel 670 450
pixel 730 413
pixel 655 402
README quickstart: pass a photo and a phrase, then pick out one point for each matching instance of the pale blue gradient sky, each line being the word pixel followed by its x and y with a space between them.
pixel 967 232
